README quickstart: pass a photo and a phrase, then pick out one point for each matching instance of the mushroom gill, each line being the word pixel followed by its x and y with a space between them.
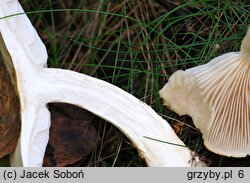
pixel 216 96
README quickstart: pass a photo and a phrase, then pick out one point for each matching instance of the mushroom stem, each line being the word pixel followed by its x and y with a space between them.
pixel 134 118
pixel 245 46
pixel 38 85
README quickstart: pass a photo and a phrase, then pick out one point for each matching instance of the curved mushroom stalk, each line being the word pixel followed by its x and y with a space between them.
pixel 133 117
pixel 216 96
pixel 38 85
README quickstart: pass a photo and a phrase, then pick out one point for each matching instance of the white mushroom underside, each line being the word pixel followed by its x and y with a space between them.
pixel 216 96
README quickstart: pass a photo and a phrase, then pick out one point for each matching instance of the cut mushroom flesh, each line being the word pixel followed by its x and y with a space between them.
pixel 39 85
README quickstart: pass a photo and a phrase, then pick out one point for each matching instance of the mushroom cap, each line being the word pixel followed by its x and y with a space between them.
pixel 216 96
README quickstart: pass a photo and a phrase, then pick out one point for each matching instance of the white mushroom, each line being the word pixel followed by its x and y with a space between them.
pixel 216 96
pixel 39 85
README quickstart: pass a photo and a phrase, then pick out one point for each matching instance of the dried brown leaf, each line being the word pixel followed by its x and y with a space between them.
pixel 178 127
pixel 72 135
pixel 10 118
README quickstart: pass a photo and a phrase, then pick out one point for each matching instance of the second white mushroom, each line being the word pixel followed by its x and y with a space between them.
pixel 217 97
